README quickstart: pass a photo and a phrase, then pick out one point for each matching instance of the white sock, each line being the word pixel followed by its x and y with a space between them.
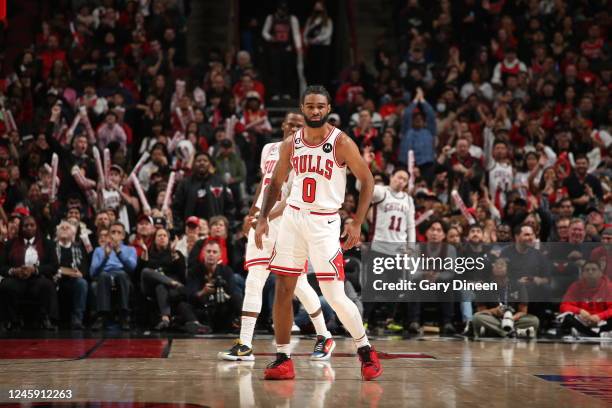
pixel 284 348
pixel 362 341
pixel 319 325
pixel 246 330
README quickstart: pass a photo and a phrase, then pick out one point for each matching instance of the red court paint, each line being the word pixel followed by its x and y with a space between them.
pixel 45 348
pixel 103 404
pixel 381 355
pixel 130 348
pixel 594 386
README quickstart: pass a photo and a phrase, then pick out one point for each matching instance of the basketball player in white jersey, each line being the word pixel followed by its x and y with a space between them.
pixel 393 223
pixel 256 261
pixel 310 227
pixel 393 210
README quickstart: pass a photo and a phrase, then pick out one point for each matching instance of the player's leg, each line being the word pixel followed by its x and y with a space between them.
pixel 251 307
pixel 287 262
pixel 326 256
pixel 282 314
pixel 325 344
pixel 256 261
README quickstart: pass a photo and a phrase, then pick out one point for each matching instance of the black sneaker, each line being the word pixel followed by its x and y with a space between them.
pixel 239 352
pixel 196 327
pixel 468 330
pixel 46 324
pixel 448 330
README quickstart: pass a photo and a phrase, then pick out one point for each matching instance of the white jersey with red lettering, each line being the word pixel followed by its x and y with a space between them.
pixel 269 158
pixel 319 182
pixel 393 216
pixel 255 256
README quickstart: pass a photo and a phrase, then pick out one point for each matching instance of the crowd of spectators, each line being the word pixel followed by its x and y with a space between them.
pixel 506 102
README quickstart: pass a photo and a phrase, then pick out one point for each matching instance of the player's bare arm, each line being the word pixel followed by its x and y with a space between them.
pixel 348 153
pixel 253 210
pixel 272 192
pixel 250 219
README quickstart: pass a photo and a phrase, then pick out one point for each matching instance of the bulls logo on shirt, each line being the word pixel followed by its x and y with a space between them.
pixel 216 191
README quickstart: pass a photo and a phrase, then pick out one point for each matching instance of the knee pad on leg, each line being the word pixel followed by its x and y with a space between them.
pixel 255 281
pixel 307 295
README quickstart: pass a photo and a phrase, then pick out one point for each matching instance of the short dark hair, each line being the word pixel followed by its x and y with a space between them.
pixel 519 228
pixel 475 226
pixel 579 156
pixel 293 112
pixel 202 153
pixel 212 242
pixel 400 168
pixel 315 90
pixel 433 221
pixel 117 224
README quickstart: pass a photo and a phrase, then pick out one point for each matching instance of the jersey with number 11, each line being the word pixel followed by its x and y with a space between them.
pixel 319 182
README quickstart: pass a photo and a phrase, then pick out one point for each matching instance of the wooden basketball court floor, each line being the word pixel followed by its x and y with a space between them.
pixel 430 372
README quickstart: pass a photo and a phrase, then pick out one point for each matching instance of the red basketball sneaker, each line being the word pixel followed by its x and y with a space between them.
pixel 370 366
pixel 281 369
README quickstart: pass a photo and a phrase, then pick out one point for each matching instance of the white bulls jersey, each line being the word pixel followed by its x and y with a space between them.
pixel 501 178
pixel 269 157
pixel 393 216
pixel 319 182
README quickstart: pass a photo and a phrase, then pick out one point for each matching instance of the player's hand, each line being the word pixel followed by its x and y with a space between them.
pixel 352 232
pixel 246 224
pixel 260 231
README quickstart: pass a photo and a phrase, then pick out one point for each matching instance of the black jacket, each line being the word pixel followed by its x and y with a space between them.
pixel 14 254
pixel 172 268
pixel 202 197
pixel 197 278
